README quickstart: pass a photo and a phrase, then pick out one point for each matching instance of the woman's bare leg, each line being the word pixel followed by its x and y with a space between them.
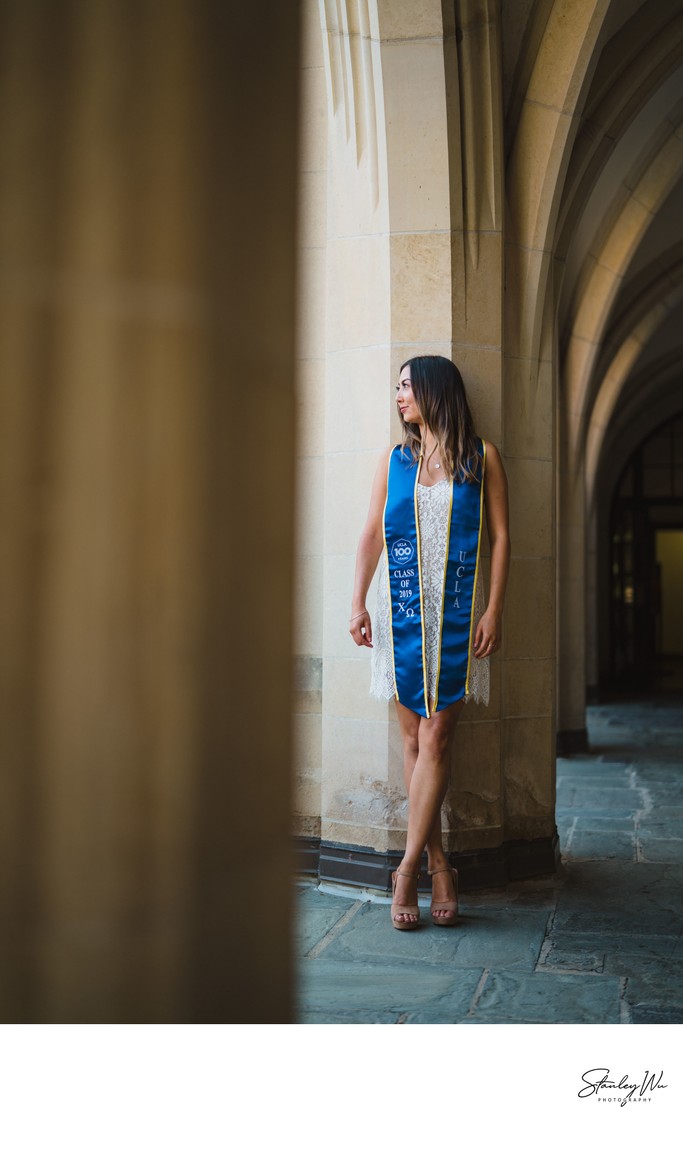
pixel 426 769
pixel 409 723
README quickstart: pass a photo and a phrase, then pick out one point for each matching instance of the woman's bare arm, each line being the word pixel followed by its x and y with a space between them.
pixel 367 557
pixel 489 630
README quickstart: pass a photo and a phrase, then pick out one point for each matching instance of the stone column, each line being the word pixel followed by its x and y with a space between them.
pixel 573 570
pixel 311 267
pixel 472 51
pixel 541 135
pixel 415 233
pixel 356 787
pixel 388 297
pixel 147 204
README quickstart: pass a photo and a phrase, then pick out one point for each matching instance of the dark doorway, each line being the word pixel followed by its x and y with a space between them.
pixel 646 566
pixel 669 560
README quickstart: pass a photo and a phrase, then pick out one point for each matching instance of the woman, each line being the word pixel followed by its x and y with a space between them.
pixel 433 636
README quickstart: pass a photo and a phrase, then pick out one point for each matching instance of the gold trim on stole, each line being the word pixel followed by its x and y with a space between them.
pixel 425 677
pixel 476 569
pixel 386 555
pixel 443 599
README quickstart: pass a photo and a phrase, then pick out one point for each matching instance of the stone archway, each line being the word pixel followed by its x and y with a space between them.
pixel 618 287
pixel 651 399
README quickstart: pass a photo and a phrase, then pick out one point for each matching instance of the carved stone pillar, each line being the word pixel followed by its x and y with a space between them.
pixel 147 203
pixel 414 262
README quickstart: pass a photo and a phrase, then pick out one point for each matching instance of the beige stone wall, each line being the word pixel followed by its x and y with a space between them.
pixel 356 732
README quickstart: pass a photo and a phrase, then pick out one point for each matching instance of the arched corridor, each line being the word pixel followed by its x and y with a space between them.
pixel 619 329
pixel 641 568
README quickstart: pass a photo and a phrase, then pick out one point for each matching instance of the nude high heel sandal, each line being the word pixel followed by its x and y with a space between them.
pixel 397 908
pixel 451 904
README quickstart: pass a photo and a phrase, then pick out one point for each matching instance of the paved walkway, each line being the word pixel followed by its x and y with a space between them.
pixel 600 942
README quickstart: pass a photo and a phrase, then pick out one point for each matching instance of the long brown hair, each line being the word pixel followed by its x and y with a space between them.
pixel 439 393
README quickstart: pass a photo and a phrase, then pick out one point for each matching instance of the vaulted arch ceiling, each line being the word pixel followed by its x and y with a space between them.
pixel 619 246
pixel 633 423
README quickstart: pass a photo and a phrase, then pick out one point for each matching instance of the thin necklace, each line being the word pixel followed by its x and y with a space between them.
pixel 436 464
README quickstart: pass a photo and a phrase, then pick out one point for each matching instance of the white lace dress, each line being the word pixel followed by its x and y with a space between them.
pixel 433 504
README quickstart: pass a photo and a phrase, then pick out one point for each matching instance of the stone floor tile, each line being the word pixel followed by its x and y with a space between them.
pixel 662 738
pixel 316 914
pixel 502 937
pixel 590 768
pixel 657 980
pixel 609 896
pixel 654 771
pixel 570 943
pixel 348 1018
pixel 661 818
pixel 501 1020
pixel 447 1016
pixel 612 800
pixel 589 817
pixel 541 997
pixel 541 894
pixel 603 772
pixel 359 987
pixel 653 1015
pixel 653 848
pixel 669 794
pixel 579 960
pixel 370 937
pixel 601 844
pixel 586 822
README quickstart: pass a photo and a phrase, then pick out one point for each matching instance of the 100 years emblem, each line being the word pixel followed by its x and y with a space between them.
pixel 402 551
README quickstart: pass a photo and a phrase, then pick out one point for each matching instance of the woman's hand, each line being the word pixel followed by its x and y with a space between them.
pixel 360 629
pixel 369 550
pixel 488 634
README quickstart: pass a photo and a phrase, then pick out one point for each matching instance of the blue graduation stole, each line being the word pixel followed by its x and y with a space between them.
pixel 461 570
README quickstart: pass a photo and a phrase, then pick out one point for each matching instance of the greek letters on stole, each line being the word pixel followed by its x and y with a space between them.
pixel 461 571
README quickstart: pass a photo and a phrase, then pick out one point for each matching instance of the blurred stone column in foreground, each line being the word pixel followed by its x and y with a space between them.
pixel 147 204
